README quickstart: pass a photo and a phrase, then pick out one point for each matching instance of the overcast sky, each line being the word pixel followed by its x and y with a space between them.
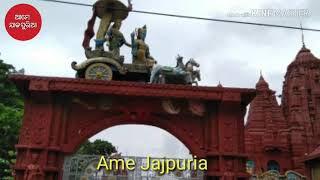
pixel 231 53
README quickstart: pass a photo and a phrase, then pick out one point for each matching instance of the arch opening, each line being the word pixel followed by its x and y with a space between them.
pixel 138 142
pixel 143 140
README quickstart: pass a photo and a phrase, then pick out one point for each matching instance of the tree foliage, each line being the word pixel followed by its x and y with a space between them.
pixel 11 112
pixel 9 95
pixel 98 147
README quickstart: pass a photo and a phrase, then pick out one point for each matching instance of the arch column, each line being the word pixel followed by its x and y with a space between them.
pixel 225 134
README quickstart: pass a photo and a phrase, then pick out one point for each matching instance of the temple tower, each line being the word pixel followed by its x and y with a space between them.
pixel 301 104
pixel 266 134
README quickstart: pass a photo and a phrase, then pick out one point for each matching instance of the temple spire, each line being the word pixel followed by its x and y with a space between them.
pixel 262 84
pixel 261 76
pixel 302 35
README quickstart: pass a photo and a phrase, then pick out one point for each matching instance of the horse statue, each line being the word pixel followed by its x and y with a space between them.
pixel 181 74
pixel 195 74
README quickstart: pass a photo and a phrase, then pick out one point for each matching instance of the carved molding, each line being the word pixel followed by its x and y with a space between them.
pixel 134 88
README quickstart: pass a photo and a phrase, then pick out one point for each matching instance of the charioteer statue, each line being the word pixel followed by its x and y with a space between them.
pixel 116 40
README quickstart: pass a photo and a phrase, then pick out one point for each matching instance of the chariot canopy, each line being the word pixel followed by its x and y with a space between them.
pixel 114 7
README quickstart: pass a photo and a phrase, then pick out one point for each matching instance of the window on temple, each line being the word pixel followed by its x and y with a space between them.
pixel 295 89
pixel 273 165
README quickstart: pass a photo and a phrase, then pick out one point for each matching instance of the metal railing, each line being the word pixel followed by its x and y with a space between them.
pixel 83 167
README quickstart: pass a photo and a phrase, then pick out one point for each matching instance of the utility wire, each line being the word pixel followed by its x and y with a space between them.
pixel 194 17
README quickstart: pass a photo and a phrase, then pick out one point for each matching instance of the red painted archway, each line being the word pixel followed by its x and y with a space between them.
pixel 61 113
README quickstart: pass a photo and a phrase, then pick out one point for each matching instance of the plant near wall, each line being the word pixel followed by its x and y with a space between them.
pixel 98 147
pixel 11 112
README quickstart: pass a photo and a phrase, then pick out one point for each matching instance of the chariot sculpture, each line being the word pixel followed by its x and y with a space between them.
pixel 109 64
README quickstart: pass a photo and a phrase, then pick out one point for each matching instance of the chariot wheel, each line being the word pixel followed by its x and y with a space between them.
pixel 99 71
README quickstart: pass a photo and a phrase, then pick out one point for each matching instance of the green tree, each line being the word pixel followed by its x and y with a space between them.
pixel 11 112
pixel 98 147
